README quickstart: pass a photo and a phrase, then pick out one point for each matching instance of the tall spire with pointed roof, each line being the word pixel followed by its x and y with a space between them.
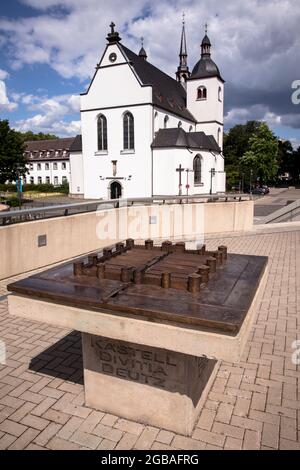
pixel 183 71
pixel 143 53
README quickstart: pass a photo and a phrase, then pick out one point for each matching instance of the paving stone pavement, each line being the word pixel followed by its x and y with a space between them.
pixel 251 405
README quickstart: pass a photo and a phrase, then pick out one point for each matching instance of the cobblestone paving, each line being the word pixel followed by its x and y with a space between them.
pixel 251 405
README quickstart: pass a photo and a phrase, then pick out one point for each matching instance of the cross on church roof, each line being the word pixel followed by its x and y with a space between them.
pixel 112 27
pixel 206 27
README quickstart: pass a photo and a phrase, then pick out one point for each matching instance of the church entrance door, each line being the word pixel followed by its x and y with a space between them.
pixel 115 190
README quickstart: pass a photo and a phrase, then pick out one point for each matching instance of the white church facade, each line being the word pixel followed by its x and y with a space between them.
pixel 146 134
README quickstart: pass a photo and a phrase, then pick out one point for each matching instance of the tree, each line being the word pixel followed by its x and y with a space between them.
pixel 286 158
pixel 261 159
pixel 12 159
pixel 236 141
pixel 29 136
pixel 296 156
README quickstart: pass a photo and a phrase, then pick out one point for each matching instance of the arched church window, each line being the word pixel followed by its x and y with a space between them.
pixel 180 124
pixel 201 93
pixel 190 128
pixel 102 133
pixel 128 131
pixel 166 122
pixel 197 167
pixel 220 93
pixel 219 136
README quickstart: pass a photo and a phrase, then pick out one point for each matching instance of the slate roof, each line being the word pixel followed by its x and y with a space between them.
pixel 178 138
pixel 205 68
pixel 38 149
pixel 167 92
pixel 77 144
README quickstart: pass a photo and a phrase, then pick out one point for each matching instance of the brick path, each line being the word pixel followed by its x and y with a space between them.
pixel 252 405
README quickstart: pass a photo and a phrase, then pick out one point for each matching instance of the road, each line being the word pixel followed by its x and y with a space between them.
pixel 278 198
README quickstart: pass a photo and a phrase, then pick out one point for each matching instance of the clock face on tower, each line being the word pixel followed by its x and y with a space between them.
pixel 113 57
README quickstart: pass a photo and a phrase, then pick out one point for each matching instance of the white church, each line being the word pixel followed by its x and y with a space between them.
pixel 146 134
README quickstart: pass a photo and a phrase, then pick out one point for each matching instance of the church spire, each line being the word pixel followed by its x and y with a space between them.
pixel 183 71
pixel 206 44
pixel 143 53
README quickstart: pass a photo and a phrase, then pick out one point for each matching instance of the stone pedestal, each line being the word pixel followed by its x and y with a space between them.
pixel 145 384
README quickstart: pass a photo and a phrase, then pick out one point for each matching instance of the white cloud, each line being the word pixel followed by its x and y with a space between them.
pixel 51 114
pixel 5 103
pixel 255 43
pixel 3 74
pixel 295 142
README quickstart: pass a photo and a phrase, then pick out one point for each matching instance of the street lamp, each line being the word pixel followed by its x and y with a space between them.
pixel 251 173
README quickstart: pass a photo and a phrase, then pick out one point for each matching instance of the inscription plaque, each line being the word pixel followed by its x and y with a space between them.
pixel 168 370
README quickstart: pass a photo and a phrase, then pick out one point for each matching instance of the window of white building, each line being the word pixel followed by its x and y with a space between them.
pixel 46 166
pixel 54 166
pixel 128 131
pixel 201 93
pixel 48 179
pixel 102 133
pixel 39 166
pixel 220 94
pixel 219 136
pixel 56 180
pixel 197 167
pixel 39 180
pixel 63 165
pixel 31 180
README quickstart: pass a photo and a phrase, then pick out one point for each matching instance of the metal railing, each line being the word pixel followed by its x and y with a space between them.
pixel 64 210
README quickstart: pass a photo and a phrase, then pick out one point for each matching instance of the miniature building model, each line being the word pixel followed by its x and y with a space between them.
pixel 154 320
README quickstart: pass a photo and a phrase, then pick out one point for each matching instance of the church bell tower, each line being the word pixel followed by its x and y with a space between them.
pixel 205 94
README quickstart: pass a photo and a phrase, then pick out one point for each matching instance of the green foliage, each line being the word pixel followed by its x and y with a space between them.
pixel 261 157
pixel 232 177
pixel 38 188
pixel 30 136
pixel 288 160
pixel 12 159
pixel 236 141
pixel 63 188
pixel 8 188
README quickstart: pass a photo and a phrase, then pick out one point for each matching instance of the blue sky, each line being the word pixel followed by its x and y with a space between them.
pixel 49 49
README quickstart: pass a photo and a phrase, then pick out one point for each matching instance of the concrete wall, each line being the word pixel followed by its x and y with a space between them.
pixel 75 235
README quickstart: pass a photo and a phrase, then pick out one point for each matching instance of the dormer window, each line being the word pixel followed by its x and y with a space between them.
pixel 201 93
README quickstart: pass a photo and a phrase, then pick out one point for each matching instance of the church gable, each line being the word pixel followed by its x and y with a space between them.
pixel 115 83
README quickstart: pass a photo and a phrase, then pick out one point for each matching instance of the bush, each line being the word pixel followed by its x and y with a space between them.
pixel 10 188
pixel 63 188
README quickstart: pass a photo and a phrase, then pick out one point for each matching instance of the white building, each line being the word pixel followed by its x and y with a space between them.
pixel 48 161
pixel 146 134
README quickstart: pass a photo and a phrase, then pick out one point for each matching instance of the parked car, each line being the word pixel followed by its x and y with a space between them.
pixel 258 191
pixel 266 189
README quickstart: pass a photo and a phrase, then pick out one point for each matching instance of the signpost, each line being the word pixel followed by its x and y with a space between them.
pixel 187 181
